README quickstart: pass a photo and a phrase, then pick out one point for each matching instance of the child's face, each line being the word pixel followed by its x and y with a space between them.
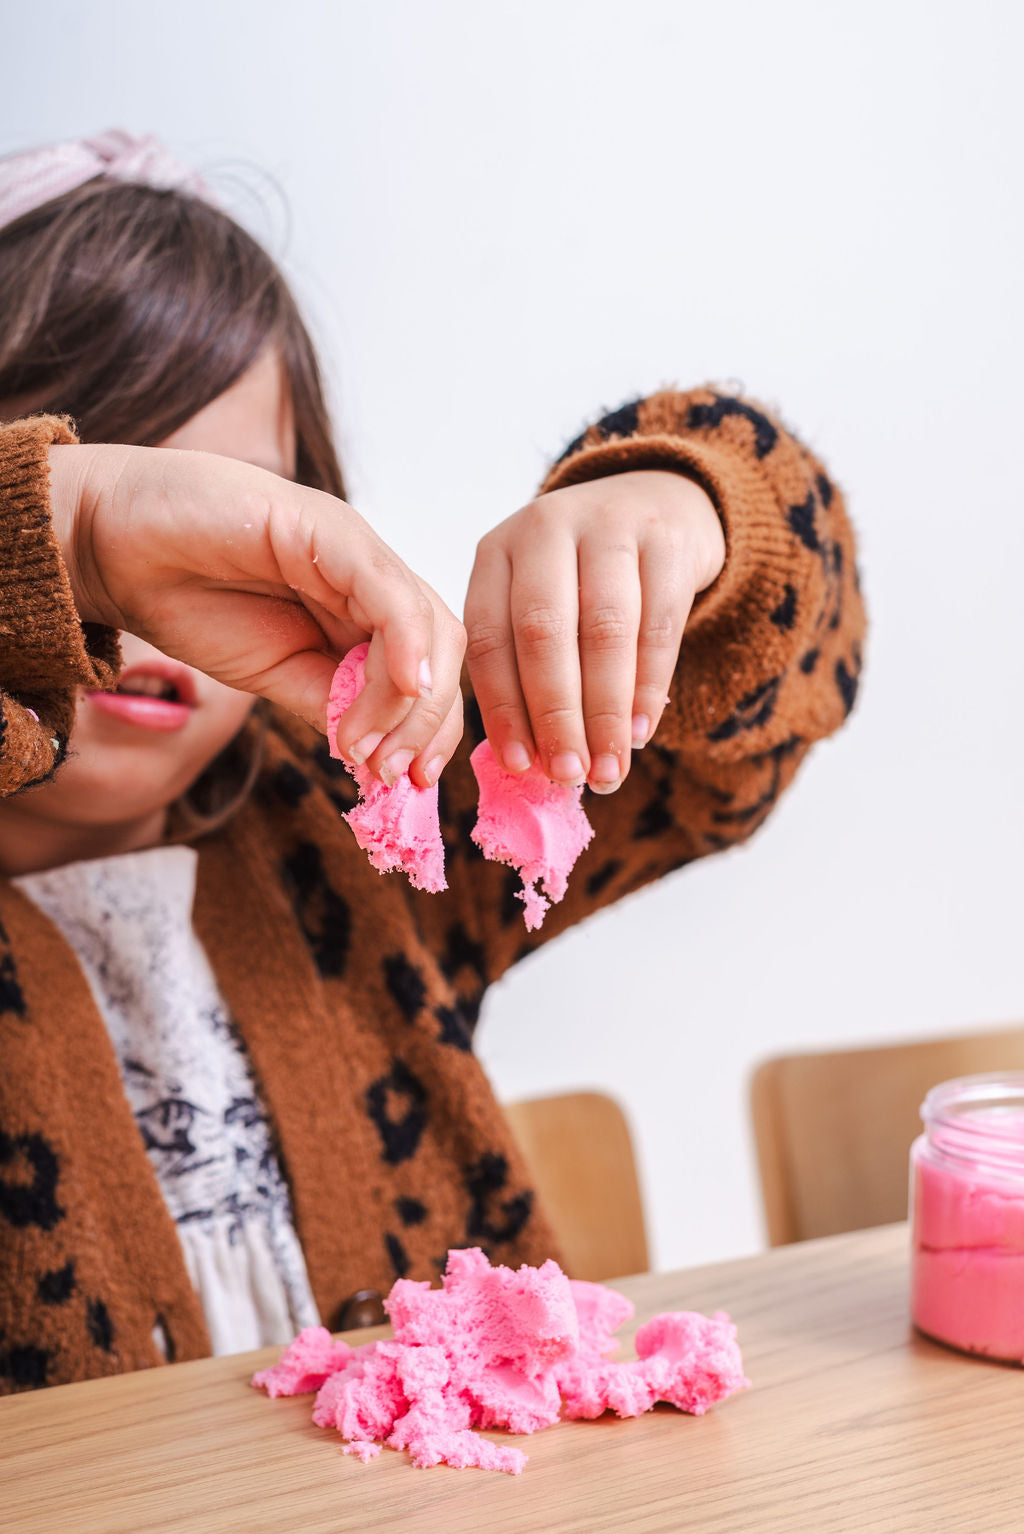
pixel 132 756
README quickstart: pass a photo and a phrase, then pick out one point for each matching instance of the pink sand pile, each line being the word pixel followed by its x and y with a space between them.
pixel 495 1348
pixel 397 827
pixel 537 826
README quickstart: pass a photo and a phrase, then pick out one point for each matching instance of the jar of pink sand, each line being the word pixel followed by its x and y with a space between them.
pixel 967 1215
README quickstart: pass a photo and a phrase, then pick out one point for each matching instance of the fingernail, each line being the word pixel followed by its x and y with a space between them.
pixel 641 730
pixel 396 764
pixel 515 757
pixel 433 770
pixel 426 680
pixel 566 767
pixel 605 771
pixel 364 748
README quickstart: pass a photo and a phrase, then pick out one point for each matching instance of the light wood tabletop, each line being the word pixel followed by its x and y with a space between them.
pixel 853 1423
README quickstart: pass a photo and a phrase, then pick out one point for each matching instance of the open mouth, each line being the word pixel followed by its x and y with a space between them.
pixel 155 695
pixel 145 685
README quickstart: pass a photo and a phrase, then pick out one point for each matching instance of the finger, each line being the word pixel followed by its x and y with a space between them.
pixel 341 633
pixel 253 642
pixel 382 707
pixel 300 683
pixel 667 596
pixel 544 606
pixel 610 609
pixel 491 659
pixel 330 555
pixel 418 727
pixel 258 644
pixel 437 753
pixel 379 709
pixel 249 639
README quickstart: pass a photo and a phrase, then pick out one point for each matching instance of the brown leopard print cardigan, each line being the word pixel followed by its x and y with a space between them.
pixel 356 996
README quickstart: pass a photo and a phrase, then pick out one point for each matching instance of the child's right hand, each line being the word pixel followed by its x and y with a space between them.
pixel 263 584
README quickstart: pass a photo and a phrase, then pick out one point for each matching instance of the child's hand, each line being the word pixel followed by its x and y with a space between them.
pixel 575 613
pixel 262 584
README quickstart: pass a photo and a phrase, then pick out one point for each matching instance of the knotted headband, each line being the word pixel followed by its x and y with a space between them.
pixel 30 179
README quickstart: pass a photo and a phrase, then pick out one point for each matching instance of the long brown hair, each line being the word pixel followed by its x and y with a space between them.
pixel 130 309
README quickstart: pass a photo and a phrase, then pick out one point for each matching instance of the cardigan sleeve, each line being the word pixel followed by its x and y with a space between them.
pixel 769 664
pixel 46 652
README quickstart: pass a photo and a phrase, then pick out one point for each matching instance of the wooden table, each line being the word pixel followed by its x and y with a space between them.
pixel 854 1423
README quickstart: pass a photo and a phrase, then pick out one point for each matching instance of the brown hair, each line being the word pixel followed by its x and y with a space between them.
pixel 130 309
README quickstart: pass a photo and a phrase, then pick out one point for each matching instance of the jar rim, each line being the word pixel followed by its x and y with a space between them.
pixel 978 1119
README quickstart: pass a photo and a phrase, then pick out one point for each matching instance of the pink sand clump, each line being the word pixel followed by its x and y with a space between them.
pixel 537 826
pixel 396 827
pixel 524 819
pixel 495 1348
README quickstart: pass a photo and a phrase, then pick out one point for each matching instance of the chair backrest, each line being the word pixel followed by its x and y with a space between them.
pixel 580 1155
pixel 833 1131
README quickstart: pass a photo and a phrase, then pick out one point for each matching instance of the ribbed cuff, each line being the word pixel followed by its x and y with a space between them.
pixel 44 647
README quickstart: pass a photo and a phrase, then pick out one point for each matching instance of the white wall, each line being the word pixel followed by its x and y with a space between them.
pixel 505 216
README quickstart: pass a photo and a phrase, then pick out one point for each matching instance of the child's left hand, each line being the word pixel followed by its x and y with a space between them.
pixel 575 612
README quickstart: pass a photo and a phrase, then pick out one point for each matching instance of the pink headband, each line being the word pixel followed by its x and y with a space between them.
pixel 30 179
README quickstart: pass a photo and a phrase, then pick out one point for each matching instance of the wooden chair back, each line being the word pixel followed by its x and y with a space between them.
pixel 580 1155
pixel 833 1131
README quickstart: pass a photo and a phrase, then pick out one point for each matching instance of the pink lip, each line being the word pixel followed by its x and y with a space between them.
pixel 151 713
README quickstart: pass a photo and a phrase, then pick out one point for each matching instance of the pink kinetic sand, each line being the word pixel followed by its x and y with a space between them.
pixel 537 826
pixel 495 1348
pixel 968 1258
pixel 396 827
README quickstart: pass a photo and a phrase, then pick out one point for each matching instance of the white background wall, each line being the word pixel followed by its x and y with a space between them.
pixel 504 216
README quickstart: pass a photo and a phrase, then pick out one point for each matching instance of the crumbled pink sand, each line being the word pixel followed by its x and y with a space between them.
pixel 537 826
pixel 525 820
pixel 495 1348
pixel 307 1362
pixel 397 827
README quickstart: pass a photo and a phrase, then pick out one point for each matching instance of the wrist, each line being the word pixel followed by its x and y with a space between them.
pixel 80 476
pixel 696 516
pixel 67 474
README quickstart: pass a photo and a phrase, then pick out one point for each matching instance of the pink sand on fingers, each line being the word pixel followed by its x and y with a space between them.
pixel 397 827
pixel 536 826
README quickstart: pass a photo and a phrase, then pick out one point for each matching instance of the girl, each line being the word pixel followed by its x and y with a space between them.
pixel 237 1088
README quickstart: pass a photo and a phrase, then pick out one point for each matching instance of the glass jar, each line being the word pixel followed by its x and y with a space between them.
pixel 967 1215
